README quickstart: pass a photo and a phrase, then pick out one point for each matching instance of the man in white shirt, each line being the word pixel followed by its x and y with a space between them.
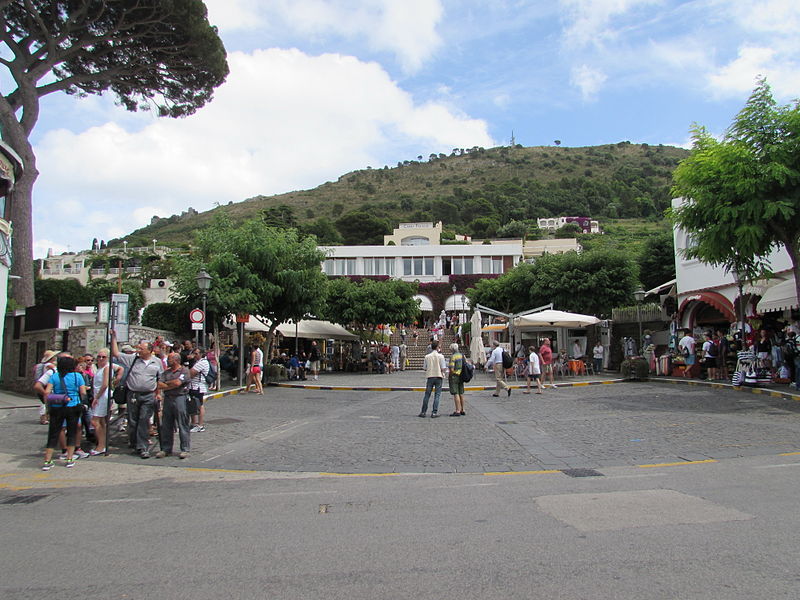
pixel 435 367
pixel 198 388
pixel 496 363
pixel 687 348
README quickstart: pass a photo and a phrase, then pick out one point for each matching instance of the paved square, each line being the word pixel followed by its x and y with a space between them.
pixel 642 508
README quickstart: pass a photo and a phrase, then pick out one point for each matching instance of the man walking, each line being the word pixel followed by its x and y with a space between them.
pixel 143 369
pixel 546 354
pixel 496 363
pixel 174 383
pixel 315 358
pixel 435 367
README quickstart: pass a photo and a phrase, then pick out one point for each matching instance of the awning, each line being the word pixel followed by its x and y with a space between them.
pixel 781 296
pixel 457 302
pixel 309 328
pixel 425 303
pixel 715 299
pixel 305 329
pixel 495 327
pixel 555 318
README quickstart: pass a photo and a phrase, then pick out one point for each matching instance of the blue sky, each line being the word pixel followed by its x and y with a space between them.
pixel 320 88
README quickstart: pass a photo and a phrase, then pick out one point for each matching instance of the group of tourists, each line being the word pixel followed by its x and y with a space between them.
pixel 158 388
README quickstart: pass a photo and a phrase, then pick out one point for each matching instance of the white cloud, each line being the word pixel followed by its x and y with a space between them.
pixel 589 21
pixel 738 77
pixel 234 15
pixel 406 29
pixel 283 121
pixel 587 80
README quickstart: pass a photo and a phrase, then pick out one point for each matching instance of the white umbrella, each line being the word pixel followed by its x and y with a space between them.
pixel 476 349
pixel 555 318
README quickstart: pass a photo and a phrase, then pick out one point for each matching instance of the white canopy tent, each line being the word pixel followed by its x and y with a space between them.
pixel 306 328
pixel 554 318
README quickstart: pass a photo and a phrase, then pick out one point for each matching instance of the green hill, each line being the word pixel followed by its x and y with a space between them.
pixel 475 191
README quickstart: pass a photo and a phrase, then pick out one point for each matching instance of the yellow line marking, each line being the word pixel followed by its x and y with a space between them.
pixel 9 474
pixel 678 464
pixel 219 470
pixel 790 454
pixel 548 472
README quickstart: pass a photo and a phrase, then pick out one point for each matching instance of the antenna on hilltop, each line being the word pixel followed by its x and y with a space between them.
pixel 513 140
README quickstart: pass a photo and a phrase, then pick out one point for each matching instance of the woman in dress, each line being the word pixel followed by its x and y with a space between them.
pixel 100 400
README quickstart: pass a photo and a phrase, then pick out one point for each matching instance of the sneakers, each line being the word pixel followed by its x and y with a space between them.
pixel 183 455
pixel 95 452
pixel 70 463
pixel 47 465
pixel 145 454
pixel 423 415
pixel 81 454
pixel 434 415
pixel 162 454
pixel 508 391
pixel 197 429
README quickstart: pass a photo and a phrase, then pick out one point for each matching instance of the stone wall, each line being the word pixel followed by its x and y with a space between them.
pixel 21 353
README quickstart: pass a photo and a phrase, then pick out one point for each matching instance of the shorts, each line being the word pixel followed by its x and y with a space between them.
pixel 547 368
pixel 315 365
pixel 196 401
pixel 690 360
pixel 255 370
pixel 456 385
pixel 534 376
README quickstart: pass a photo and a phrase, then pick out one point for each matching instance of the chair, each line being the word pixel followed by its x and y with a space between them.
pixel 560 368
pixel 588 367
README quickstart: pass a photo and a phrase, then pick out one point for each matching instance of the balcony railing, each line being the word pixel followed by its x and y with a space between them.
pixel 97 272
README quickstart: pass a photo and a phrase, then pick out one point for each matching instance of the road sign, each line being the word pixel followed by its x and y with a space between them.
pixel 197 326
pixel 197 316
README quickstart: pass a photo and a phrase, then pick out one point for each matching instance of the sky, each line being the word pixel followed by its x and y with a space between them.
pixel 320 88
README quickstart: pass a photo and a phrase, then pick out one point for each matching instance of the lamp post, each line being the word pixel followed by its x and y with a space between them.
pixel 154 246
pixel 204 284
pixel 639 297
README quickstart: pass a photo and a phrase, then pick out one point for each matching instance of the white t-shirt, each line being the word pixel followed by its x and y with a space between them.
pixel 687 342
pixel 198 382
pixel 533 364
pixel 597 352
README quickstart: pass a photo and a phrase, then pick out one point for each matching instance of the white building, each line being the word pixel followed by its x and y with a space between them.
pixel 587 224
pixel 708 296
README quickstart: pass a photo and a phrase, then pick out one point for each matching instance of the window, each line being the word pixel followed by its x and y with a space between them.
pixel 379 266
pixel 491 264
pixel 340 266
pixel 462 265
pixel 418 265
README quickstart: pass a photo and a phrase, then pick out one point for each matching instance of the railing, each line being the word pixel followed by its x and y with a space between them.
pixel 114 271
pixel 52 271
pixel 73 270
pixel 647 312
pixel 133 269
pixel 96 272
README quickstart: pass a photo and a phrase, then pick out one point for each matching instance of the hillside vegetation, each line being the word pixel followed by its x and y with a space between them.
pixel 474 191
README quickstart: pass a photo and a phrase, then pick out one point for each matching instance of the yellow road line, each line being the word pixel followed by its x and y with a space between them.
pixel 790 454
pixel 678 464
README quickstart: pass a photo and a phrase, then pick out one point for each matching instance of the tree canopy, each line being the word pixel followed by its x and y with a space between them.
pixel 151 54
pixel 589 283
pixel 270 273
pixel 742 193
pixel 368 303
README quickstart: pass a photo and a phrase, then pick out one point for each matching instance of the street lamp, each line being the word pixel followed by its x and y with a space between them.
pixel 639 295
pixel 154 246
pixel 204 283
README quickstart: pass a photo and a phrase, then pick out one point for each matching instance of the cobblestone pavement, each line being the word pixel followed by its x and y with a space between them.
pixel 313 430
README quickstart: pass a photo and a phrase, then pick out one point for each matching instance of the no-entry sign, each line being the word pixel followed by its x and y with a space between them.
pixel 197 316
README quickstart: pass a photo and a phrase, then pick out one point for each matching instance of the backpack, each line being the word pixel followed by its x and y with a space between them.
pixel 508 362
pixel 467 371
pixel 211 376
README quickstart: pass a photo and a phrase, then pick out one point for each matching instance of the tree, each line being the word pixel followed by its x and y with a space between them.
pixel 589 283
pixel 273 274
pixel 568 230
pixel 657 260
pixel 160 54
pixel 360 227
pixel 165 315
pixel 324 230
pixel 66 293
pixel 368 303
pixel 742 193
